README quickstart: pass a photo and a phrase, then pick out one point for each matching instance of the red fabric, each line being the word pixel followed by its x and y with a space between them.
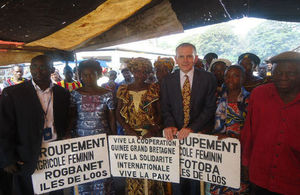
pixel 60 83
pixel 271 141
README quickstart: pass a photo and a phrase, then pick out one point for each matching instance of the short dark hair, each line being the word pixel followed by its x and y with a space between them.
pixel 212 55
pixel 41 57
pixel 238 67
pixel 186 45
pixel 92 64
pixel 67 68
pixel 18 65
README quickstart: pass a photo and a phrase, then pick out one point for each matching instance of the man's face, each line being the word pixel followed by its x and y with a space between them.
pixel 55 76
pixel 126 74
pixel 186 58
pixel 262 71
pixel 41 70
pixel 112 76
pixel 286 76
pixel 248 65
pixel 270 66
pixel 18 72
pixel 219 70
pixel 68 75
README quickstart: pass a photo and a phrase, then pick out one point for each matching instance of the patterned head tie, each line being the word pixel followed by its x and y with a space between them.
pixel 168 62
pixel 140 64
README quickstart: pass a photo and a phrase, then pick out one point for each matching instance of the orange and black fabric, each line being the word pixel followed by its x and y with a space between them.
pixel 186 97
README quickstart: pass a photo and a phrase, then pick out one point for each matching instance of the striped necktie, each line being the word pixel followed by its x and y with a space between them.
pixel 186 96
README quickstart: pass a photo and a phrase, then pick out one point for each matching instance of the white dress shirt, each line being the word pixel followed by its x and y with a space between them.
pixel 46 100
pixel 190 74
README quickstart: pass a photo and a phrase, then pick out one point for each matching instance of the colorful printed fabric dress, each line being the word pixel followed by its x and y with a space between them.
pixel 230 118
pixel 138 111
pixel 92 120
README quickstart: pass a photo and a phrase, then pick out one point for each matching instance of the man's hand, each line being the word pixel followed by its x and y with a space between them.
pixel 11 168
pixel 183 133
pixel 170 132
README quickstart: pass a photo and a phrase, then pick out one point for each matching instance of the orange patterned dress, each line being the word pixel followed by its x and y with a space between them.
pixel 138 111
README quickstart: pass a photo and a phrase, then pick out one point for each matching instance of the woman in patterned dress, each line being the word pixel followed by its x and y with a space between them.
pixel 230 117
pixel 93 113
pixel 138 112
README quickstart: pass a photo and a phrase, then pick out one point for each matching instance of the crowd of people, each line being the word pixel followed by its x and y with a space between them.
pixel 209 96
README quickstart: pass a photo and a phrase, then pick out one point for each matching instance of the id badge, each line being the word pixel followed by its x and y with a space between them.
pixel 47 133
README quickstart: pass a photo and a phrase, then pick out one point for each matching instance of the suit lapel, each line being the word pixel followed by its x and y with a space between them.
pixel 177 88
pixel 195 88
pixel 35 99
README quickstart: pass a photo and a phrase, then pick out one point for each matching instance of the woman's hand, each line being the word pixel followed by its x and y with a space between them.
pixel 130 131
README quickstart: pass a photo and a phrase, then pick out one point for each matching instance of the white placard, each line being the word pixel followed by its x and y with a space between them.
pixel 154 158
pixel 204 157
pixel 71 162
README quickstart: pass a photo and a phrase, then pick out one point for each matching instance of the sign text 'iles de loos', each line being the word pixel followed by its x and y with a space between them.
pixel 71 162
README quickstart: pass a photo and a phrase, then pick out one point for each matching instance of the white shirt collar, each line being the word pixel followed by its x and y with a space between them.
pixel 37 88
pixel 190 74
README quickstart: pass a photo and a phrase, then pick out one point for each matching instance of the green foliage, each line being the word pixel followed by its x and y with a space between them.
pixel 270 38
pixel 266 39
pixel 219 39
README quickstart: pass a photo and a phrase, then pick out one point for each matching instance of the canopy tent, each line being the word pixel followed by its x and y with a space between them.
pixel 60 28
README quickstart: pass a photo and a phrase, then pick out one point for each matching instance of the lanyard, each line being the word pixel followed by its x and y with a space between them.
pixel 45 112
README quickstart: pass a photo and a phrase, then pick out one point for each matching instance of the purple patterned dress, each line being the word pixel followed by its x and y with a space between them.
pixel 92 119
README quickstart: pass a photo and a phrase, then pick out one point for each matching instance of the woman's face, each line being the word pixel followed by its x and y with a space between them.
pixel 219 70
pixel 161 71
pixel 233 79
pixel 139 75
pixel 89 77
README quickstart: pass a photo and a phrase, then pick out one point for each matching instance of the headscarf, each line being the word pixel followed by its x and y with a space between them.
pixel 227 62
pixel 168 62
pixel 139 64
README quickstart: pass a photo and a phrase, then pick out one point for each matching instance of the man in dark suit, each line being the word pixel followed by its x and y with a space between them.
pixel 32 112
pixel 188 104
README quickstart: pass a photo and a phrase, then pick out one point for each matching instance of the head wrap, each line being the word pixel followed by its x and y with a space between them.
pixel 254 58
pixel 168 62
pixel 227 62
pixel 140 64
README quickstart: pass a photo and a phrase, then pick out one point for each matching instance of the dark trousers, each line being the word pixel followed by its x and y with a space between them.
pixel 256 190
pixel 22 185
pixel 5 183
pixel 186 187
